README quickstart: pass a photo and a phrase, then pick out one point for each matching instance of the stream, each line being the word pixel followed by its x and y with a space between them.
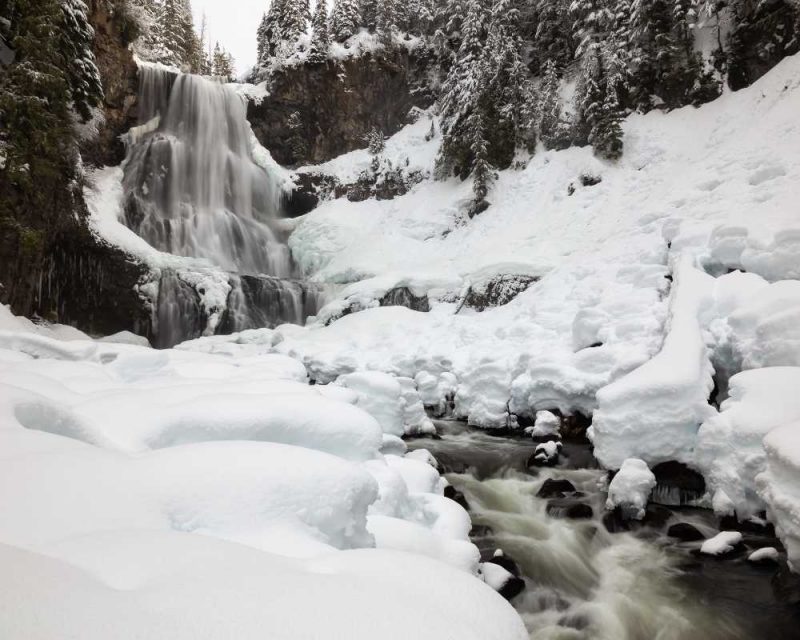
pixel 583 582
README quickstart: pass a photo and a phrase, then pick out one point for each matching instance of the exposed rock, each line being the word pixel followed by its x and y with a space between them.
pixel 566 508
pixel 508 563
pixel 498 291
pixel 677 484
pixel 758 526
pixel 685 532
pixel 114 30
pixel 339 102
pixel 456 496
pixel 480 531
pixel 555 488
pixel 546 454
pixel 768 32
pixel 404 297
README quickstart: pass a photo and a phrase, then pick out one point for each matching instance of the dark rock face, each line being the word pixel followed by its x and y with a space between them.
pixel 114 30
pixel 555 488
pixel 676 484
pixel 456 496
pixel 685 532
pixel 338 103
pixel 566 508
pixel 51 265
pixel 768 32
pixel 498 291
pixel 404 297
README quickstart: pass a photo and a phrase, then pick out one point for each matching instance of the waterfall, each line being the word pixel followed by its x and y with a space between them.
pixel 193 189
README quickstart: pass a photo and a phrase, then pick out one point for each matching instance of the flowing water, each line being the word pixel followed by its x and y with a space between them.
pixel 193 189
pixel 583 582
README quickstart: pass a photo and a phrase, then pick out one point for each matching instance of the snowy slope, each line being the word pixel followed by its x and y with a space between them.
pixel 635 318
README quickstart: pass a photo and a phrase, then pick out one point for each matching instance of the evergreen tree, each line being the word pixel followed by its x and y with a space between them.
pixel 345 19
pixel 76 37
pixel 292 23
pixel 551 34
pixel 510 121
pixel 262 39
pixel 465 103
pixel 320 40
pixel 553 129
pixel 368 10
pixel 376 142
pixel 606 134
pixel 385 20
pixel 222 63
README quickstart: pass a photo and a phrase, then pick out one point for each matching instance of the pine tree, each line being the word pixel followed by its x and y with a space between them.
pixel 385 20
pixel 368 10
pixel 553 129
pixel 222 64
pixel 606 135
pixel 510 123
pixel 320 40
pixel 76 38
pixel 345 19
pixel 464 97
pixel 262 39
pixel 482 170
pixel 292 23
pixel 376 142
pixel 551 34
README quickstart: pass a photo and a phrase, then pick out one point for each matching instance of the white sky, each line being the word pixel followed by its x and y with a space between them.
pixel 234 24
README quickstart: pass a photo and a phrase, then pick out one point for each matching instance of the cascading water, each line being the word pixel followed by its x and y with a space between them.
pixel 193 189
pixel 584 583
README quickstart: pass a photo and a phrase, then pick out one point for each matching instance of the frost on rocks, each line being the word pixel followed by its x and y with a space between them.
pixel 630 488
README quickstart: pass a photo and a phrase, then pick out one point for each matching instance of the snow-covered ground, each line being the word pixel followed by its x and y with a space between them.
pixel 668 286
pixel 211 491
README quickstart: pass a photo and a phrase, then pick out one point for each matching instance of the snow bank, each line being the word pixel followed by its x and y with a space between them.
pixel 779 486
pixel 655 411
pixel 128 473
pixel 630 488
pixel 729 448
pixel 143 584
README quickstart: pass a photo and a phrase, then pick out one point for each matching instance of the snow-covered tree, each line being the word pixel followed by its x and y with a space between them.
pixel 368 10
pixel 320 39
pixel 553 129
pixel 606 134
pixel 376 141
pixel 345 19
pixel 386 20
pixel 76 36
pixel 551 34
pixel 465 105
pixel 222 63
pixel 510 121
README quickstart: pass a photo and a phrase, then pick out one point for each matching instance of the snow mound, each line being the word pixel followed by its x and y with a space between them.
pixel 630 488
pixel 210 491
pixel 779 486
pixel 730 452
pixel 722 543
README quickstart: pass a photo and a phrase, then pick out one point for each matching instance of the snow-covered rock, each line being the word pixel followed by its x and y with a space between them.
pixel 630 488
pixel 721 544
pixel 730 452
pixel 779 486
